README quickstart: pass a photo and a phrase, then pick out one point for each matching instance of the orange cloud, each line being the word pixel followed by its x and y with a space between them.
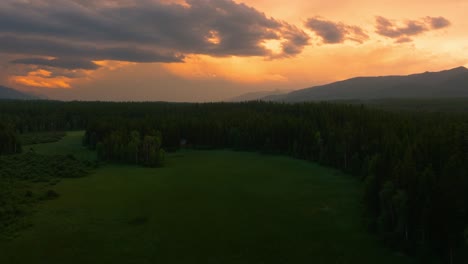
pixel 113 65
pixel 40 73
pixel 43 79
pixel 41 82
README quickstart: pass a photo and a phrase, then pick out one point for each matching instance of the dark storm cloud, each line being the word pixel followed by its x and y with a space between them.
pixel 149 31
pixel 69 64
pixel 332 32
pixel 404 32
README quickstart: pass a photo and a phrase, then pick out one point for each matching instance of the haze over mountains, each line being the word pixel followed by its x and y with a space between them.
pixel 257 95
pixel 445 84
pixel 12 94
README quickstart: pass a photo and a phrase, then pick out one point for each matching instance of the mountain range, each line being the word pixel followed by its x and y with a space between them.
pixel 12 94
pixel 444 84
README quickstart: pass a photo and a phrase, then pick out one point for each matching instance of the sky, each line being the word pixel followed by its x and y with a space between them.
pixel 211 50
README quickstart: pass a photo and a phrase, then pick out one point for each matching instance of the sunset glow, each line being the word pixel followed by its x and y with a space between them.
pixel 42 79
pixel 252 44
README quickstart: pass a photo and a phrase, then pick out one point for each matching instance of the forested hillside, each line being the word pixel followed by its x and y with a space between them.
pixel 414 165
pixel 451 83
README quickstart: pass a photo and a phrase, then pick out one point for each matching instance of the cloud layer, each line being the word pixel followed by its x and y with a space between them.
pixel 145 32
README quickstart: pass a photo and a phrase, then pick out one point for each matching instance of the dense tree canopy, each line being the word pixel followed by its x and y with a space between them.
pixel 129 146
pixel 9 142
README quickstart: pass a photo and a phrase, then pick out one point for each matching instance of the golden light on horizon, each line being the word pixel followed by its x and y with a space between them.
pixel 235 69
pixel 345 43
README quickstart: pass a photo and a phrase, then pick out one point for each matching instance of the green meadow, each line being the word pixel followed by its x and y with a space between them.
pixel 201 207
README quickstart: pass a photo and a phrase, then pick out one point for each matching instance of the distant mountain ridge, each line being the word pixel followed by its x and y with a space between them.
pixel 257 95
pixel 444 84
pixel 12 94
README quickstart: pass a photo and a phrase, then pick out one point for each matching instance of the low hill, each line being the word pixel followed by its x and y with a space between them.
pixel 257 95
pixel 445 84
pixel 8 93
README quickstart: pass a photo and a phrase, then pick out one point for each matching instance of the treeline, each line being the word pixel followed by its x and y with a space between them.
pixel 127 146
pixel 9 141
pixel 414 165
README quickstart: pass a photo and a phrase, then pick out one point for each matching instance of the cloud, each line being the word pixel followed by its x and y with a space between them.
pixel 438 22
pixel 335 32
pixel 41 78
pixel 294 41
pixel 403 32
pixel 41 46
pixel 150 31
pixel 69 64
pixel 71 37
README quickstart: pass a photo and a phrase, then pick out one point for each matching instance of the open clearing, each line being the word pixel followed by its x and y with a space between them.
pixel 202 207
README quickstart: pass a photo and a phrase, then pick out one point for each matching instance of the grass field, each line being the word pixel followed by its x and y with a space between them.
pixel 202 207
pixel 70 144
pixel 43 137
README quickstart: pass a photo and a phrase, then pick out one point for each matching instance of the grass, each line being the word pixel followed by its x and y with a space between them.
pixel 28 178
pixel 202 207
pixel 70 144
